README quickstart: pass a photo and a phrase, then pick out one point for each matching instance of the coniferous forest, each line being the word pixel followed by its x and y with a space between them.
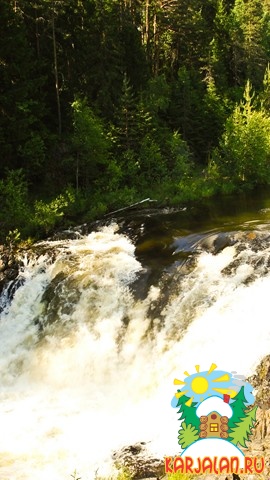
pixel 106 102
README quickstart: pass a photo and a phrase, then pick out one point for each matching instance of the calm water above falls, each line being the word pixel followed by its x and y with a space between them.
pixel 95 335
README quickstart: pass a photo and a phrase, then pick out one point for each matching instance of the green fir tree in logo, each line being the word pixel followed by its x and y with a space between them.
pixel 189 431
pixel 238 407
pixel 242 421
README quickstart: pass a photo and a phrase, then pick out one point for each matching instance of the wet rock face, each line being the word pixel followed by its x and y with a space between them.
pixel 139 462
pixel 9 267
pixel 261 382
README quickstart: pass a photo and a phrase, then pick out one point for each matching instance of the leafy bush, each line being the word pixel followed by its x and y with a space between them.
pixel 48 215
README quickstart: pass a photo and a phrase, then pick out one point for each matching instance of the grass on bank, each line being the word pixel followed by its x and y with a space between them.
pixel 124 474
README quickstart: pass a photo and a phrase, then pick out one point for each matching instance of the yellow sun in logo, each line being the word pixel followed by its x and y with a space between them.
pixel 201 385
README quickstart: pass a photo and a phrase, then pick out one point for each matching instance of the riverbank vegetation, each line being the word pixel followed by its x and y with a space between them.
pixel 106 102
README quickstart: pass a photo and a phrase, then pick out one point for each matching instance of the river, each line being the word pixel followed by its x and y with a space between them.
pixel 102 324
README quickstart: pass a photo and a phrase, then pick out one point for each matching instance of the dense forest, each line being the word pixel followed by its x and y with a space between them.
pixel 105 102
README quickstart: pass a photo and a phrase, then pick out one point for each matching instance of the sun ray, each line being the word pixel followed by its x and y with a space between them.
pixel 186 373
pixel 223 378
pixel 178 382
pixel 180 394
pixel 212 368
pixel 224 390
pixel 189 402
pixel 197 368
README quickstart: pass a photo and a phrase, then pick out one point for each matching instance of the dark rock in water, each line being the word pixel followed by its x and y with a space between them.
pixel 11 277
pixel 9 268
pixel 12 273
pixel 73 233
pixel 139 462
pixel 215 243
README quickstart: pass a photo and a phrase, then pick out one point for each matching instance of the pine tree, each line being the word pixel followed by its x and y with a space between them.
pixel 126 117
pixel 21 106
pixel 90 144
pixel 265 94
pixel 248 41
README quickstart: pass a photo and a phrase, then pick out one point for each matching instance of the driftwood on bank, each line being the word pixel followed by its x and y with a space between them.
pixel 129 206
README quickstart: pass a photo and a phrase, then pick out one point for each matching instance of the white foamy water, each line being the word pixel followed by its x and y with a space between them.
pixel 80 374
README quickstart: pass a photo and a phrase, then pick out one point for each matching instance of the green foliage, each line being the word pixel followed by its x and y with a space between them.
pixel 243 429
pixel 180 157
pixel 48 215
pixel 264 96
pixel 33 153
pixel 243 155
pixel 90 144
pixel 180 476
pixel 14 212
pixel 13 237
pixel 152 163
pixel 125 118
pixel 157 94
pixel 155 87
pixel 248 31
pixel 21 98
pixel 187 435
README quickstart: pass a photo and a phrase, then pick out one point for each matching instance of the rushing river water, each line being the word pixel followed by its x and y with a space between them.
pixel 101 325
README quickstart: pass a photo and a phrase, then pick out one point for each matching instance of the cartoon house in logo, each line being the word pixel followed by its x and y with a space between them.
pixel 214 414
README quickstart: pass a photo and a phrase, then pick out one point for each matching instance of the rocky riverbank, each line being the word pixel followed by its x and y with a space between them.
pixel 9 266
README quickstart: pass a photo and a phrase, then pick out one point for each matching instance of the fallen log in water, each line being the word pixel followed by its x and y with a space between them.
pixel 130 206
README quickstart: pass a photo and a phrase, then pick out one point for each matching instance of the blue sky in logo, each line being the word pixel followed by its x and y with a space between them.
pixel 202 385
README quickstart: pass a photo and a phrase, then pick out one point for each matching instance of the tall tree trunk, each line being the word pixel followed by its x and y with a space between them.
pixel 37 34
pixel 156 52
pixel 56 75
pixel 77 173
pixel 146 38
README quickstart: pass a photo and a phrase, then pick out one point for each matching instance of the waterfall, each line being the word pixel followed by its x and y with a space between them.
pixel 87 366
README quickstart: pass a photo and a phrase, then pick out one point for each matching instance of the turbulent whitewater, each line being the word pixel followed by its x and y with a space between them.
pixel 88 360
